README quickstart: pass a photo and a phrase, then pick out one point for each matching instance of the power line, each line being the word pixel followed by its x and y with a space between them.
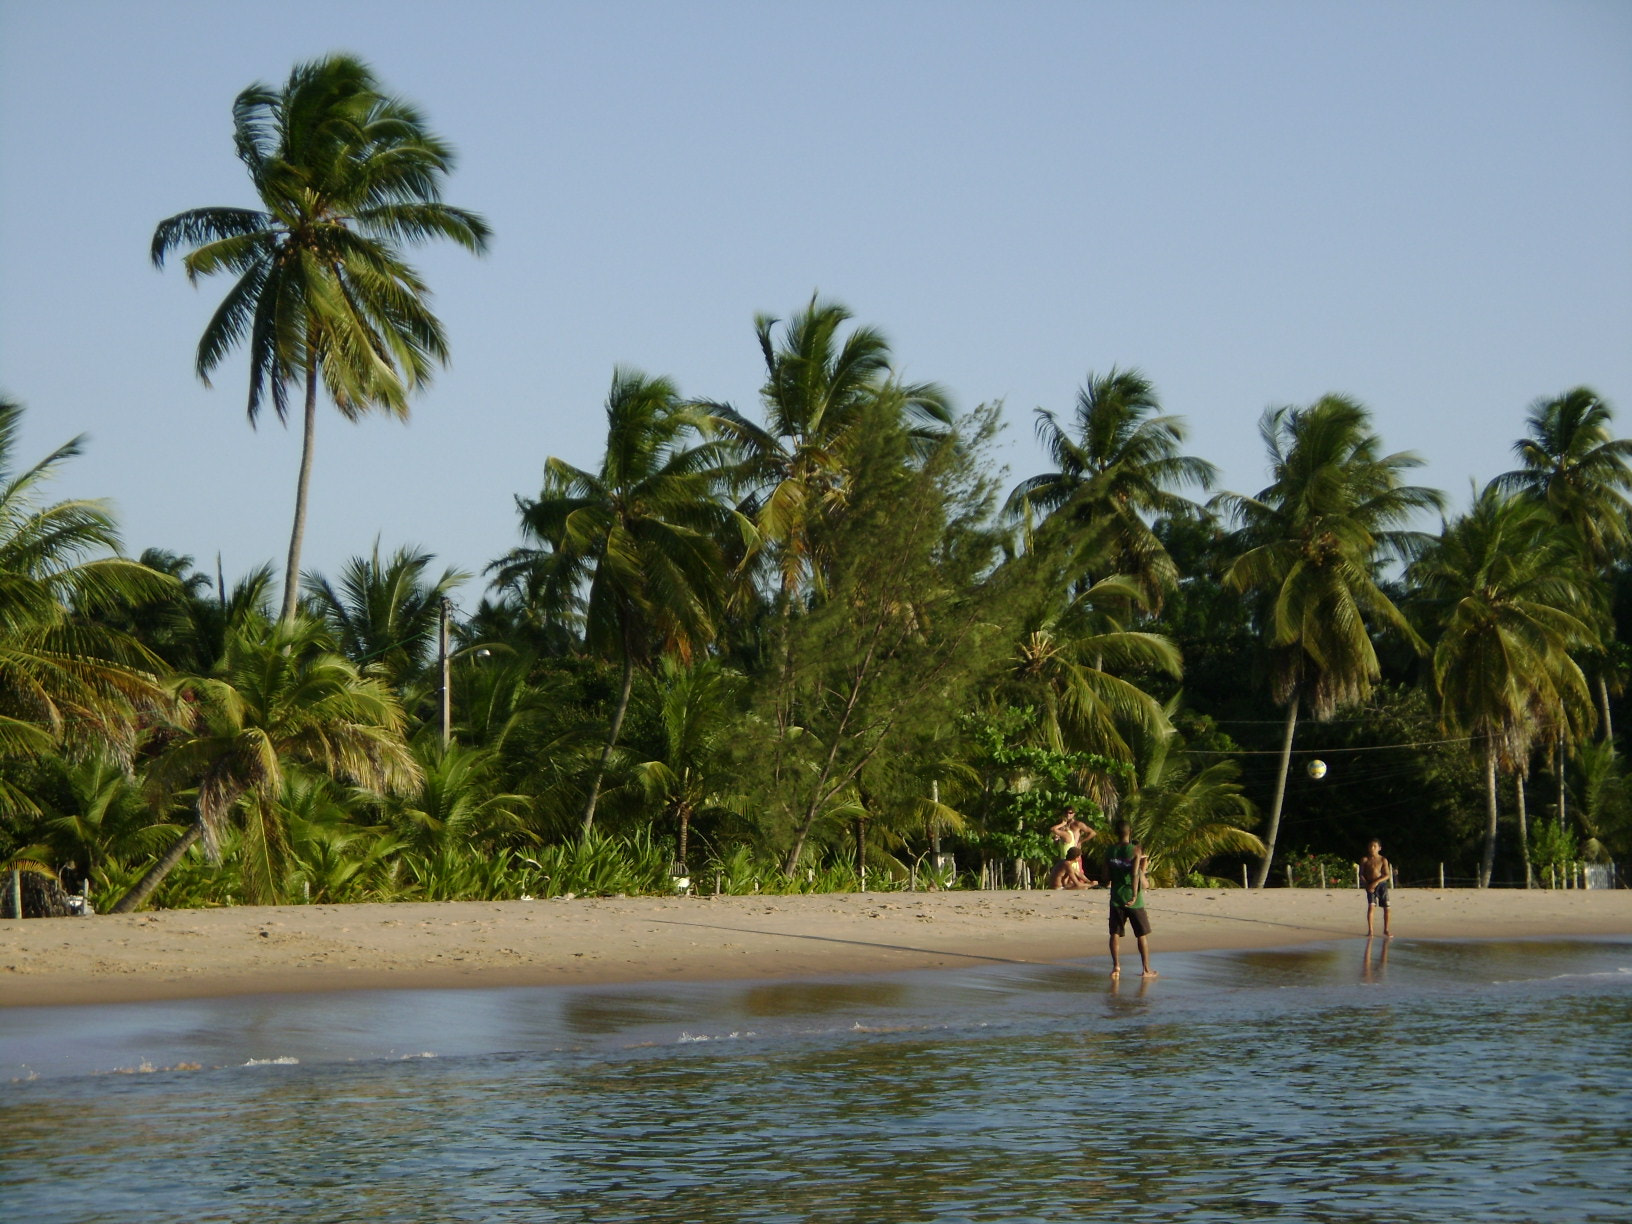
pixel 1328 751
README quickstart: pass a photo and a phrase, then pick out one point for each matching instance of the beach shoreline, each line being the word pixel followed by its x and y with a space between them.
pixel 172 954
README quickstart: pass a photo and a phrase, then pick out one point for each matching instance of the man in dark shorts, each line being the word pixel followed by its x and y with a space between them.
pixel 1125 865
pixel 1376 874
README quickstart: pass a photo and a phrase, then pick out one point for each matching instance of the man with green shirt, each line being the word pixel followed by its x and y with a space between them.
pixel 1125 865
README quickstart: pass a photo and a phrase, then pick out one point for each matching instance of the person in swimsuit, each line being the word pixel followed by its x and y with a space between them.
pixel 1072 832
pixel 1376 874
pixel 1125 865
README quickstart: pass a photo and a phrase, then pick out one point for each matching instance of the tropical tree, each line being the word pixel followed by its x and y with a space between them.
pixel 66 675
pixel 696 703
pixel 1509 602
pixel 384 613
pixel 455 803
pixel 1065 664
pixel 911 627
pixel 347 177
pixel 1573 463
pixel 820 383
pixel 638 540
pixel 281 697
pixel 1118 465
pixel 1185 813
pixel 1311 544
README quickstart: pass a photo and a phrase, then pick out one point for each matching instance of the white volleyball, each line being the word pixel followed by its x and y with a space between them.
pixel 1317 769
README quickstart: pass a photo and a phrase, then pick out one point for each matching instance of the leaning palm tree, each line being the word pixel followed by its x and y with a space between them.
pixel 1573 463
pixel 1311 545
pixel 1503 590
pixel 1117 466
pixel 347 177
pixel 820 383
pixel 640 537
pixel 282 696
pixel 65 676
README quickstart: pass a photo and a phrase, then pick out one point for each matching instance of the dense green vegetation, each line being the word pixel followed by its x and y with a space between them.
pixel 801 644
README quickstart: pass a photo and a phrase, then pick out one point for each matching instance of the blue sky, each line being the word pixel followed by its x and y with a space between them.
pixel 1424 206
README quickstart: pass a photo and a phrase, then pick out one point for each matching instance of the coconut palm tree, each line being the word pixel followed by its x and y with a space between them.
pixel 66 676
pixel 820 383
pixel 1508 600
pixel 1311 543
pixel 456 801
pixel 696 702
pixel 1184 814
pixel 640 536
pixel 385 613
pixel 1117 466
pixel 281 697
pixel 347 177
pixel 1065 665
pixel 1573 463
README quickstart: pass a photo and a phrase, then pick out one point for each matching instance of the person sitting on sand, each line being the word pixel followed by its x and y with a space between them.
pixel 1068 872
pixel 1376 874
pixel 1125 865
pixel 1071 832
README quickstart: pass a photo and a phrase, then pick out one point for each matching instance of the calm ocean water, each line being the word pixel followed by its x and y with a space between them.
pixel 1445 1081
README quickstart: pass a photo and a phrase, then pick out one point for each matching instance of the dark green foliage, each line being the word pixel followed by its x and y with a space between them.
pixel 909 625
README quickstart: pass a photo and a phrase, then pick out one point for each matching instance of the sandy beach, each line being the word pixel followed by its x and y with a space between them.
pixel 250 949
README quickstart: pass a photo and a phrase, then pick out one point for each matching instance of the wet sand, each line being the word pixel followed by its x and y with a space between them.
pixel 253 949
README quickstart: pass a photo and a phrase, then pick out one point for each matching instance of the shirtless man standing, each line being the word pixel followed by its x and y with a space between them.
pixel 1376 874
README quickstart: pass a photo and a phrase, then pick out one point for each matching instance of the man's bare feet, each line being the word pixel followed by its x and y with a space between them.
pixel 1116 972
pixel 1150 973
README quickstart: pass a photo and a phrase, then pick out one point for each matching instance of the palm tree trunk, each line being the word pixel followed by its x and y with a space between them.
pixel 291 575
pixel 611 739
pixel 156 873
pixel 1280 793
pixel 1524 832
pixel 1488 863
pixel 1603 710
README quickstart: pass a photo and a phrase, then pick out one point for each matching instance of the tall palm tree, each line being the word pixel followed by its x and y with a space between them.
pixel 641 536
pixel 65 675
pixel 1573 463
pixel 1502 588
pixel 281 697
pixel 347 177
pixel 1117 465
pixel 1311 544
pixel 820 383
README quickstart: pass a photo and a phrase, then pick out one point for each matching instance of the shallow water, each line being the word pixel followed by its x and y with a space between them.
pixel 1447 1081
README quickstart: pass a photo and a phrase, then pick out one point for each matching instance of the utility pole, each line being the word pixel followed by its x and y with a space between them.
pixel 446 703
